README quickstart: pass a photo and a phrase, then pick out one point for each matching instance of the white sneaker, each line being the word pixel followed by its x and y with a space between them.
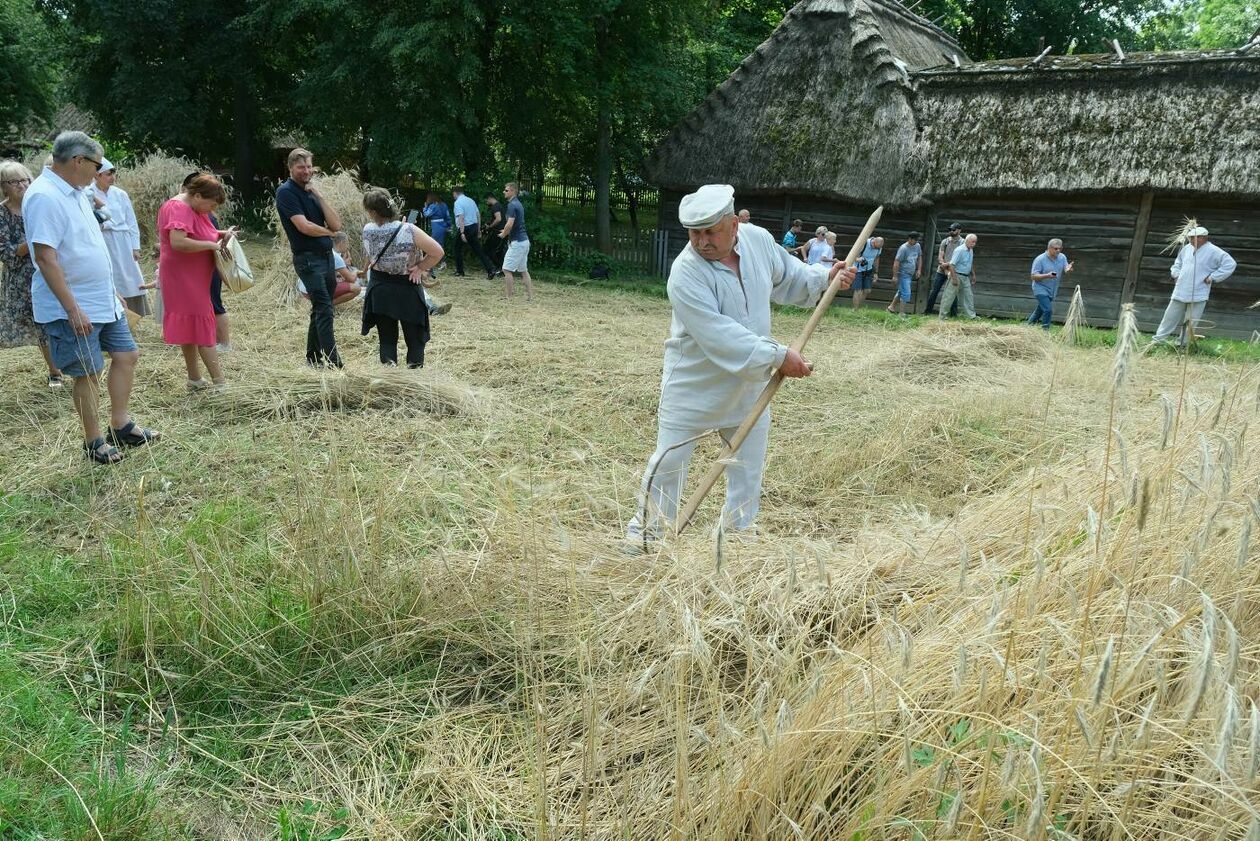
pixel 223 348
pixel 199 385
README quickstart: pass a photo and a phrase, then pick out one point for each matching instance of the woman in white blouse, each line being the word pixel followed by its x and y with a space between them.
pixel 400 256
pixel 122 238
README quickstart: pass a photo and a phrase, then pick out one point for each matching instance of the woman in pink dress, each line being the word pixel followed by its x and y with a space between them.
pixel 187 242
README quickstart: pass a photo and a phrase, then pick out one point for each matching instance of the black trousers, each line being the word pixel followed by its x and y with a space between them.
pixel 472 233
pixel 387 331
pixel 494 247
pixel 317 274
pixel 938 283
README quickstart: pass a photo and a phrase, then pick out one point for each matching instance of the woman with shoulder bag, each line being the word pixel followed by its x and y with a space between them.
pixel 402 256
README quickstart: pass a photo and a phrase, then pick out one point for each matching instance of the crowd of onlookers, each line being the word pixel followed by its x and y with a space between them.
pixel 72 283
pixel 1199 264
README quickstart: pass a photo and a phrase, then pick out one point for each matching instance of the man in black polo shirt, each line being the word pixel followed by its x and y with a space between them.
pixel 309 222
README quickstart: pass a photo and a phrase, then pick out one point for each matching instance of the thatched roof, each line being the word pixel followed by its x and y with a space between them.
pixel 859 100
pixel 1177 122
pixel 821 107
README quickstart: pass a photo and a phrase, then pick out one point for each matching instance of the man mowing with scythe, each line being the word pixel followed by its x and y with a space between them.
pixel 719 356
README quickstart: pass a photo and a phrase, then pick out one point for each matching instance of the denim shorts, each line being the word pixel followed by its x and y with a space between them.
pixel 903 287
pixel 863 280
pixel 82 356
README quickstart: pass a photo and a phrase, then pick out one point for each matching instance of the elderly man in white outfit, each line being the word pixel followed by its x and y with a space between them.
pixel 122 238
pixel 1199 264
pixel 719 356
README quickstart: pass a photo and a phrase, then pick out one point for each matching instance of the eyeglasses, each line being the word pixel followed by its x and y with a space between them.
pixel 17 181
pixel 95 163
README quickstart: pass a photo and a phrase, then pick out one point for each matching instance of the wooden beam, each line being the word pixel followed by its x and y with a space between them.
pixel 929 259
pixel 1139 245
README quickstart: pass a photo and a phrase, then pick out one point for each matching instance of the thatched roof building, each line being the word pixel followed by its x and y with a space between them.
pixel 852 103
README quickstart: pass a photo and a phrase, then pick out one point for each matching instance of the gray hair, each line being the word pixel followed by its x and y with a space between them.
pixel 72 144
pixel 340 236
pixel 970 238
pixel 820 231
pixel 1054 243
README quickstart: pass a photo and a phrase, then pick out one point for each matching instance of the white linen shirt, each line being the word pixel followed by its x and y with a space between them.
pixel 466 207
pixel 60 216
pixel 1191 267
pixel 122 215
pixel 719 356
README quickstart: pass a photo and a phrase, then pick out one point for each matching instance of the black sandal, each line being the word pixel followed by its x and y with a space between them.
pixel 132 435
pixel 101 452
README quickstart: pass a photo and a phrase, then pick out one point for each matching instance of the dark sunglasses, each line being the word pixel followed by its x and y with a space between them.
pixel 95 163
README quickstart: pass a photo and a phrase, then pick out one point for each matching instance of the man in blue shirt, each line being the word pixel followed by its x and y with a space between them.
pixel 962 274
pixel 789 238
pixel 905 269
pixel 1047 270
pixel 517 257
pixel 309 222
pixel 867 270
pixel 468 224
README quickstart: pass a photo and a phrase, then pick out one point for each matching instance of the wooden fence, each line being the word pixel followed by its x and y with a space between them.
pixel 568 194
pixel 645 252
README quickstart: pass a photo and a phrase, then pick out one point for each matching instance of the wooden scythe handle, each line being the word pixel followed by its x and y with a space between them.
pixel 776 379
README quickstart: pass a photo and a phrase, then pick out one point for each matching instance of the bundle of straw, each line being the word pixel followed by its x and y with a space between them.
pixel 153 180
pixel 275 393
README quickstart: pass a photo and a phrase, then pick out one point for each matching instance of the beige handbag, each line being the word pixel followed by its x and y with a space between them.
pixel 234 267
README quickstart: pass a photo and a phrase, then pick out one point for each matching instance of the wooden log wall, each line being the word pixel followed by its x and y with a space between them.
pixel 1097 233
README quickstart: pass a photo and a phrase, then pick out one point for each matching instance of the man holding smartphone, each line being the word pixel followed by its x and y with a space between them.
pixel 1047 270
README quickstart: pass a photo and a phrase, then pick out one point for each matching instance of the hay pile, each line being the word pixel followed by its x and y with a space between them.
pixel 154 179
pixel 944 357
pixel 263 393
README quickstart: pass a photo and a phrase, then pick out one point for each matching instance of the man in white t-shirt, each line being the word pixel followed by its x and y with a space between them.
pixel 73 295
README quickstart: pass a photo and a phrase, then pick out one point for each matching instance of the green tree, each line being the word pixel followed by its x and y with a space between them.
pixel 214 80
pixel 29 69
pixel 989 29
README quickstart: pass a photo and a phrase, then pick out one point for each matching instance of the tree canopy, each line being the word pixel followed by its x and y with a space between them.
pixel 470 89
pixel 29 65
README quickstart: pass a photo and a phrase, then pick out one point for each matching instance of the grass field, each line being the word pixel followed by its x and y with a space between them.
pixel 1000 591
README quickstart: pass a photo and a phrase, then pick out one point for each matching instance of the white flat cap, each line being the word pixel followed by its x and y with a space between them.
pixel 706 206
pixel 106 166
pixel 1198 232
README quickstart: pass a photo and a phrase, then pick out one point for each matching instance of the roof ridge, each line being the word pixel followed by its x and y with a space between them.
pixel 914 18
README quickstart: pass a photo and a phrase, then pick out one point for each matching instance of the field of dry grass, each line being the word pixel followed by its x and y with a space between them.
pixel 356 606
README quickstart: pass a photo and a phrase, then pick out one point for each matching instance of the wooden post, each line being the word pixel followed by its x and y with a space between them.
pixel 924 287
pixel 1139 245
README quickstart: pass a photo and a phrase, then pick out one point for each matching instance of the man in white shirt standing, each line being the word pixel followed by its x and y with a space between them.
pixel 468 226
pixel 1199 264
pixel 73 294
pixel 719 356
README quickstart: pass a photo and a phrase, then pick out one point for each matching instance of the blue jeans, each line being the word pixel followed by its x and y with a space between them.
pixel 938 283
pixel 1045 308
